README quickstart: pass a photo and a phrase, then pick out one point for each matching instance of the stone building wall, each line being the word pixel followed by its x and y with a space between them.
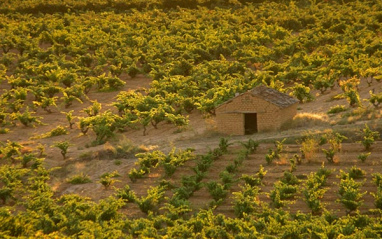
pixel 230 115
pixel 231 123
pixel 286 115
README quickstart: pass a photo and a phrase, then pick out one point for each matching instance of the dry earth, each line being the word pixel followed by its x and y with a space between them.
pixel 201 135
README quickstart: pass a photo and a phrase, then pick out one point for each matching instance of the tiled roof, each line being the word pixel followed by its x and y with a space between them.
pixel 273 96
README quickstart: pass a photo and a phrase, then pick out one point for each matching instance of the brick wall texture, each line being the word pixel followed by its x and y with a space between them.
pixel 230 115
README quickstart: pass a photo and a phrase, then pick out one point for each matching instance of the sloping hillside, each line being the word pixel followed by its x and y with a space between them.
pixel 107 126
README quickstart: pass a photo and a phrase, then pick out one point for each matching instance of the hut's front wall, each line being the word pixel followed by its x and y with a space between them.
pixel 231 123
pixel 230 116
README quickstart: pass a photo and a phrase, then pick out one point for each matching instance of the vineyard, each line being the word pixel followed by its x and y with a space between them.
pixel 107 112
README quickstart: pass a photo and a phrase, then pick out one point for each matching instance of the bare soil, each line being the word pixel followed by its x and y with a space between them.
pixel 201 135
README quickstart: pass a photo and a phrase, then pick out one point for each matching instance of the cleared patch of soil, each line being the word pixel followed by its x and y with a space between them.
pixel 201 135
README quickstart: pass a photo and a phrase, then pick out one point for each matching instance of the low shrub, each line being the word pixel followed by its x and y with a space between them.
pixel 337 109
pixel 59 130
pixel 349 194
pixel 354 173
pixel 251 180
pixel 63 146
pixel 108 179
pixel 364 156
pixel 369 137
pixel 246 201
pixel 218 191
pixel 126 194
pixel 310 120
pixel 79 179
pixel 4 131
pixel 151 200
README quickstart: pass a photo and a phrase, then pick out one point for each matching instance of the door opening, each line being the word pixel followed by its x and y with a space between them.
pixel 250 123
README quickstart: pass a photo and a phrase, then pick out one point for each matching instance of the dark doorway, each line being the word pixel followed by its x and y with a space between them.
pixel 250 123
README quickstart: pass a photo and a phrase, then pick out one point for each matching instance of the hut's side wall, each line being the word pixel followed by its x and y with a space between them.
pixel 286 115
pixel 230 116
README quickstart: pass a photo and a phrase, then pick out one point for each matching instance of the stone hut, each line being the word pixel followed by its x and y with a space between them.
pixel 257 110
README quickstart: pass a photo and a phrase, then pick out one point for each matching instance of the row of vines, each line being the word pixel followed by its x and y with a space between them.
pixel 198 54
pixel 197 59
pixel 30 207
